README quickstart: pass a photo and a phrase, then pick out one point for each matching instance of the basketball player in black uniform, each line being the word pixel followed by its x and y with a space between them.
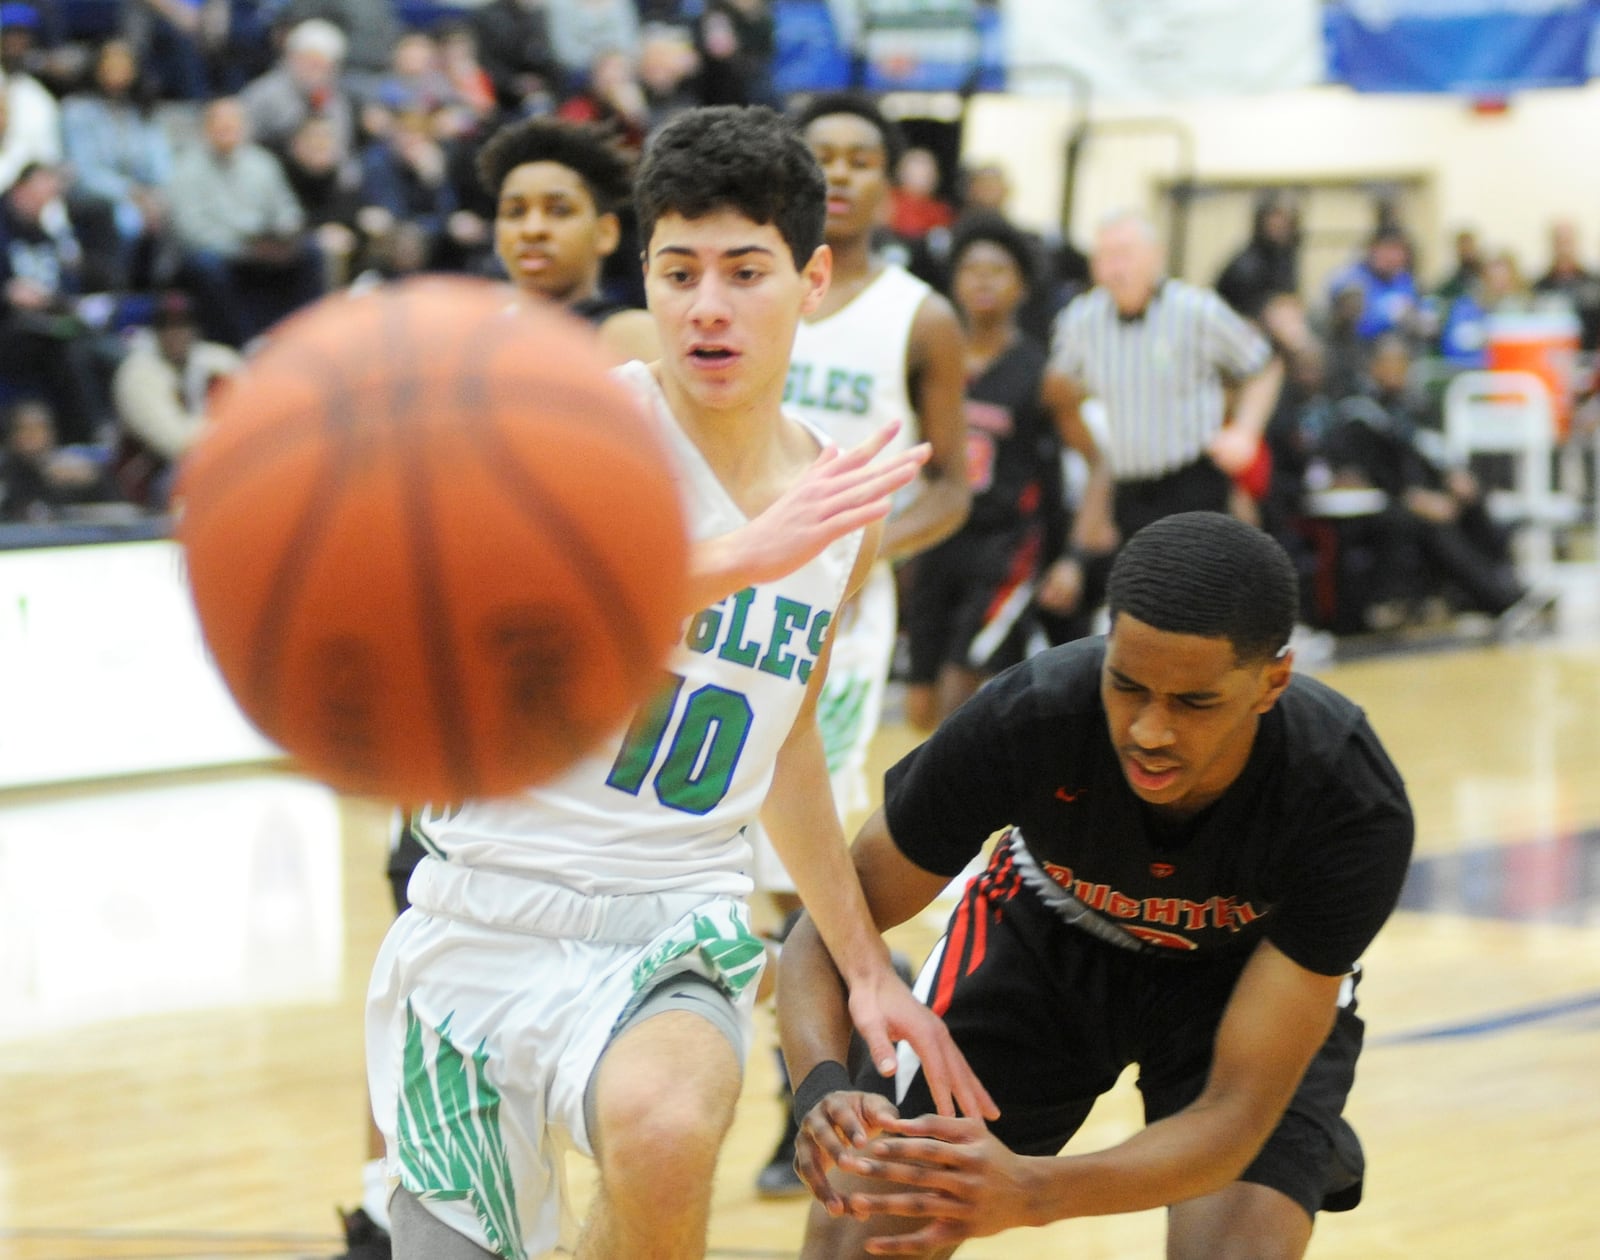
pixel 1201 846
pixel 558 188
pixel 968 608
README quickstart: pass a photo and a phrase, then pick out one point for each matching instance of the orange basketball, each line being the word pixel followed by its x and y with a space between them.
pixel 436 551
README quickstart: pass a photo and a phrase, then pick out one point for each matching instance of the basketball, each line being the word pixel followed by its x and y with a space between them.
pixel 436 552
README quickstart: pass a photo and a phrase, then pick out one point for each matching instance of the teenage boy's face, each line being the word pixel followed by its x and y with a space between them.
pixel 1182 711
pixel 851 154
pixel 548 233
pixel 727 299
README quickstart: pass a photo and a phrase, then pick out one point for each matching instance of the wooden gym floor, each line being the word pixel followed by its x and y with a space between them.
pixel 182 965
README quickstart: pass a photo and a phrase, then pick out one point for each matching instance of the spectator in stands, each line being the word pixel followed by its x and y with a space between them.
pixel 582 31
pixel 329 191
pixel 668 72
pixel 1439 535
pixel 612 96
pixel 737 41
pixel 245 250
pixel 1499 290
pixel 370 28
pixel 514 43
pixel 415 79
pixel 51 336
pixel 174 41
pixel 304 82
pixel 472 90
pixel 38 476
pixel 1388 289
pixel 1568 278
pixel 161 391
pixel 30 119
pixel 1269 264
pixel 404 179
pixel 915 206
pixel 1469 266
pixel 119 153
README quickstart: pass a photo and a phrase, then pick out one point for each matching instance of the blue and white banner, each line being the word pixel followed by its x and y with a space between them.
pixel 1472 47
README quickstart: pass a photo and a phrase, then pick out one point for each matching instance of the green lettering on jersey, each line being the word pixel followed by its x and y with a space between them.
pixel 814 642
pixel 702 634
pixel 791 615
pixel 734 646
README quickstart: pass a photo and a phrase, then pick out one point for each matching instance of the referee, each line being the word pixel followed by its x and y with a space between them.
pixel 1161 356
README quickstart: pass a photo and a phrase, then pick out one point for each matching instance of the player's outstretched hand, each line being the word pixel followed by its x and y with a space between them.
pixel 842 1120
pixel 952 1172
pixel 841 491
pixel 886 1012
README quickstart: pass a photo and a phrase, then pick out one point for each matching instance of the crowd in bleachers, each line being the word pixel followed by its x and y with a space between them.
pixel 199 168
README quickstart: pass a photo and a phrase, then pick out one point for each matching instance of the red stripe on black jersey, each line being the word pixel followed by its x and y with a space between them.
pixel 968 937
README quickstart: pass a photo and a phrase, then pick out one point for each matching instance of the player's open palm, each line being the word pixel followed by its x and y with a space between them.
pixel 951 1171
pixel 841 491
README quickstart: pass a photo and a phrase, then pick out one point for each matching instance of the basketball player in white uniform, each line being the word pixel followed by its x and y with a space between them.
pixel 577 968
pixel 882 346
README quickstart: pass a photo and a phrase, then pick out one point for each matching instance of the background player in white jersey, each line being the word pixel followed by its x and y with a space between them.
pixel 881 346
pixel 576 968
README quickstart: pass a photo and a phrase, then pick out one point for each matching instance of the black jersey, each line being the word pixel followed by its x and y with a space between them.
pixel 1308 848
pixel 596 310
pixel 1011 441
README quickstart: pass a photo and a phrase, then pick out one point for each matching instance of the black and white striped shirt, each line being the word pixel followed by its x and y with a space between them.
pixel 1160 376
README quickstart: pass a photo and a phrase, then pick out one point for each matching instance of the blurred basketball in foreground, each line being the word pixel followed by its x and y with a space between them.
pixel 435 550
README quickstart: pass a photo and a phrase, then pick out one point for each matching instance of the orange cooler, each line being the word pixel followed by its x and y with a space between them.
pixel 1544 343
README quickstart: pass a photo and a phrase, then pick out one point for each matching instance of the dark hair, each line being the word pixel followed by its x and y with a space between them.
pixel 995 230
pixel 863 107
pixel 589 150
pixel 1207 574
pixel 744 158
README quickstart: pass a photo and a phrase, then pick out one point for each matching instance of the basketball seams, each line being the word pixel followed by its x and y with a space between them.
pixel 443 680
pixel 543 510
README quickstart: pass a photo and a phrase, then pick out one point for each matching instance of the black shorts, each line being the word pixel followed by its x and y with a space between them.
pixel 1049 1017
pixel 969 604
pixel 403 859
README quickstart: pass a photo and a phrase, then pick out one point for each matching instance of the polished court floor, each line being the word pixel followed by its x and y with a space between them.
pixel 182 962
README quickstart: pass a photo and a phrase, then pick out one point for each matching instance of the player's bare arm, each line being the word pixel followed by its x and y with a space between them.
pixel 958 1177
pixel 802 822
pixel 815 1028
pixel 937 377
pixel 841 491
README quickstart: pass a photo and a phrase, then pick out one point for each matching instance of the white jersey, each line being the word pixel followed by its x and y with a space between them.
pixel 664 804
pixel 848 371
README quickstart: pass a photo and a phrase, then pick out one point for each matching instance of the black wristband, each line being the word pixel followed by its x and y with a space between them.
pixel 826 1078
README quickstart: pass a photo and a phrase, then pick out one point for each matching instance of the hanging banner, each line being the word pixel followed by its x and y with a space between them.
pixel 1161 50
pixel 1471 47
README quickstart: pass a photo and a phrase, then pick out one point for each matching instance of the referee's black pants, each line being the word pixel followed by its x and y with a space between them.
pixel 1197 487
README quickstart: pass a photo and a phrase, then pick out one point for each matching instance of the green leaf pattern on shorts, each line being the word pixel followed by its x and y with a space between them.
pixel 451 1148
pixel 841 709
pixel 714 942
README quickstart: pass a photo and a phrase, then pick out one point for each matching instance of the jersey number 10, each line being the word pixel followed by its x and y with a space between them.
pixel 704 748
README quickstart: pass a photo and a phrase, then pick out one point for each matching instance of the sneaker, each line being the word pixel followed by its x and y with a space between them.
pixel 778 1180
pixel 364 1238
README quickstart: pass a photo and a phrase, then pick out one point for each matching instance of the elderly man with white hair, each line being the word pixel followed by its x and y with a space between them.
pixel 304 83
pixel 1163 357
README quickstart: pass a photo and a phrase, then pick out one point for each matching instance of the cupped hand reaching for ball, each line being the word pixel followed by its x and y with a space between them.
pixel 842 490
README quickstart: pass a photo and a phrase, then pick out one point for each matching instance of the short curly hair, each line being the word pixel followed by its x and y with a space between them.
pixel 744 158
pixel 861 106
pixel 996 230
pixel 587 149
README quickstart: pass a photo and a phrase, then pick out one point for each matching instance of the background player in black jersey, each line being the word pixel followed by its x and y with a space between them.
pixel 967 610
pixel 558 188
pixel 1202 844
